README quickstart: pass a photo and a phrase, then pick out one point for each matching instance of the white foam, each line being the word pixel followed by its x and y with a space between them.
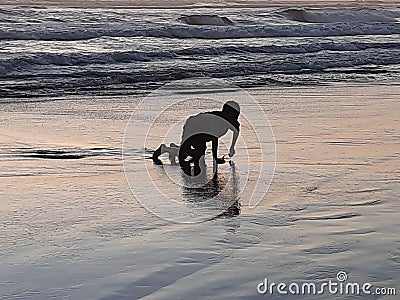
pixel 205 20
pixel 82 32
pixel 338 15
pixel 34 60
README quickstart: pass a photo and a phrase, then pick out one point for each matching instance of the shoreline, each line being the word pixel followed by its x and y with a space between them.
pixel 35 99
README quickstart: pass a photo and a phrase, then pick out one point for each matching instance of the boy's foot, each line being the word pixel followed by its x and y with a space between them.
pixel 157 153
pixel 173 153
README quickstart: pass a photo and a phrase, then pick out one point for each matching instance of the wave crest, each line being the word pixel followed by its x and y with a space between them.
pixel 205 20
pixel 201 32
pixel 75 59
pixel 338 16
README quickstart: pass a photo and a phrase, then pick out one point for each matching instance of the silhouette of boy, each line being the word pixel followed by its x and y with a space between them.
pixel 197 131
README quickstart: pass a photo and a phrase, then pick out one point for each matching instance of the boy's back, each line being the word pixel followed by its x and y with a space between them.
pixel 207 123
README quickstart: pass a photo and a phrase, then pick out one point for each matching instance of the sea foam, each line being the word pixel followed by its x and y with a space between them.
pixel 338 15
pixel 85 32
pixel 205 20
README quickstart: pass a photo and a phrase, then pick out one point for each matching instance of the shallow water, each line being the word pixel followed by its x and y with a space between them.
pixel 72 228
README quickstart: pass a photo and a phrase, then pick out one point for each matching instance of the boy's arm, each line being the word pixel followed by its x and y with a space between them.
pixel 214 142
pixel 234 139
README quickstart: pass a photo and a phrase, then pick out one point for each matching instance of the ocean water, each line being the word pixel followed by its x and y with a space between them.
pixel 52 52
pixel 71 228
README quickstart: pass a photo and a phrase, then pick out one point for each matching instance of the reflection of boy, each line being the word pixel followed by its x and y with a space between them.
pixel 200 129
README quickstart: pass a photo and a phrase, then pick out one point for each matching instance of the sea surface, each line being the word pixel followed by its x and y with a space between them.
pixel 53 52
pixel 326 77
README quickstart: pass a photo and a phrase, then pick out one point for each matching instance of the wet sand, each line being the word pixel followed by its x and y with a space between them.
pixel 71 227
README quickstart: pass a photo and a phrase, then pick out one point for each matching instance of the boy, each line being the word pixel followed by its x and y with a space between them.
pixel 197 131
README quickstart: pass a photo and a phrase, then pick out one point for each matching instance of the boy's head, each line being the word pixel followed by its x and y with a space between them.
pixel 231 109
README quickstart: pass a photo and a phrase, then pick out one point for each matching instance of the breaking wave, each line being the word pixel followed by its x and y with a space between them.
pixel 81 59
pixel 205 20
pixel 339 16
pixel 71 33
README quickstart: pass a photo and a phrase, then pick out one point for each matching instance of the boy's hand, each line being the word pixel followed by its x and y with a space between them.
pixel 232 152
pixel 220 160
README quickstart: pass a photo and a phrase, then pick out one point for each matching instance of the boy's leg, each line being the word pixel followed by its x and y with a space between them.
pixel 172 151
pixel 199 158
pixel 193 151
pixel 184 162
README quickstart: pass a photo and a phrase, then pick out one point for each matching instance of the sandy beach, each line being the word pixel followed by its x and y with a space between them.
pixel 71 227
